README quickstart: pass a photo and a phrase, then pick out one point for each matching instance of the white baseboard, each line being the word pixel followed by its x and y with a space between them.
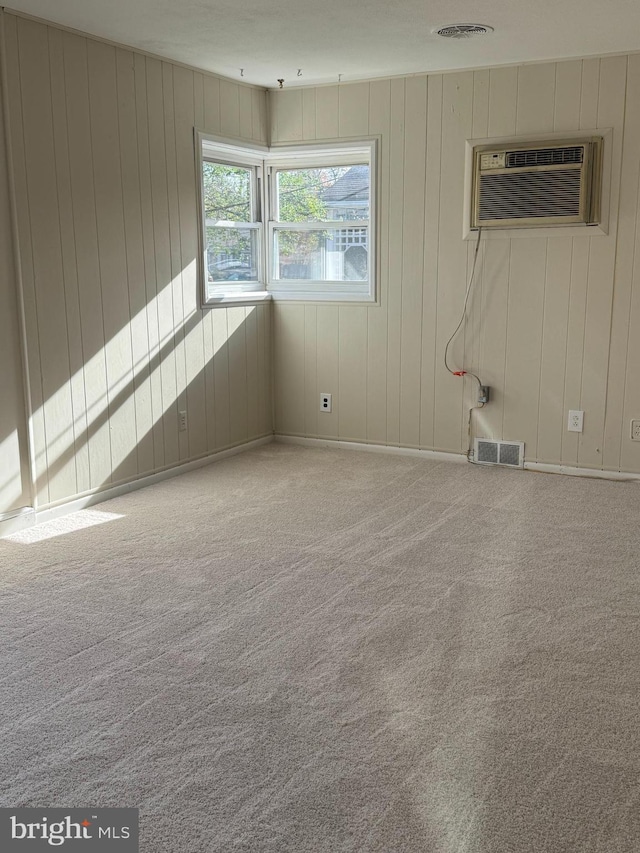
pixel 452 457
pixel 572 471
pixel 16 520
pixel 440 455
pixel 29 517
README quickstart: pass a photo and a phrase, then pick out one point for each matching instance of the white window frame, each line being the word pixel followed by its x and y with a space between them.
pixel 225 151
pixel 319 156
pixel 266 163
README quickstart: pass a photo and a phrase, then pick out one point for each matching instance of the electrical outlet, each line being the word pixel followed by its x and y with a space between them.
pixel 635 430
pixel 576 419
pixel 182 421
pixel 325 402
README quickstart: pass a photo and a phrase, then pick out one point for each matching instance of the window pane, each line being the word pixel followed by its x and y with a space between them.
pixel 227 193
pixel 231 254
pixel 336 254
pixel 336 192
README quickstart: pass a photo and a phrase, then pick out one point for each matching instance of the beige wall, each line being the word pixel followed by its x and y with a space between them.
pixel 105 184
pixel 117 346
pixel 14 474
pixel 555 322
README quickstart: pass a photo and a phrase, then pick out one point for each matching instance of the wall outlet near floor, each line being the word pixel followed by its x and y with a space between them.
pixel 576 419
pixel 182 421
pixel 325 402
pixel 635 430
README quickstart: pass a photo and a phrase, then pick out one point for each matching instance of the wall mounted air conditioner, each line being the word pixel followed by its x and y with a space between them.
pixel 537 184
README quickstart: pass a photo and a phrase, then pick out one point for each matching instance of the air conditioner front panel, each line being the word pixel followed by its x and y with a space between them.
pixel 524 186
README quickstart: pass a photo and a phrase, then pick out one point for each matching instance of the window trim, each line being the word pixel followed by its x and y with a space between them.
pixel 267 162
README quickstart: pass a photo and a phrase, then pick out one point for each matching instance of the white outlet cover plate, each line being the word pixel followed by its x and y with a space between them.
pixel 635 430
pixel 576 420
pixel 325 402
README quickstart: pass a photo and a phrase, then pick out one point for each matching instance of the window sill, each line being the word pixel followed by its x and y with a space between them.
pixel 226 300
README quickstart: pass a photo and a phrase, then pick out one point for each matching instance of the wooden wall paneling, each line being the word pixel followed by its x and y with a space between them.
pixel 536 94
pixel 524 342
pixel 287 116
pixel 328 367
pixel 495 264
pixel 353 109
pixel 413 260
pixel 589 93
pixel 268 394
pixel 327 112
pixel 263 315
pixel 15 475
pixel 69 268
pixel 630 266
pixel 395 242
pixel 451 414
pixel 308 113
pixel 133 240
pixel 258 115
pixel 25 249
pixel 222 375
pixel 211 104
pixel 311 393
pixel 198 100
pixel 379 124
pixel 617 422
pixel 162 253
pixel 81 160
pixel 289 342
pixel 503 101
pixel 611 103
pixel 149 260
pixel 245 105
pixel 251 342
pixel 229 109
pixel 183 81
pixel 47 259
pixel 237 346
pixel 177 284
pixel 433 178
pixel 474 326
pixel 209 375
pixel 568 87
pixel 107 179
pixel 575 342
pixel 551 417
pixel 352 383
pixel 206 323
pixel 480 121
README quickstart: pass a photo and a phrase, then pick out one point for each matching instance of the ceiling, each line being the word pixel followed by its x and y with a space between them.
pixel 272 39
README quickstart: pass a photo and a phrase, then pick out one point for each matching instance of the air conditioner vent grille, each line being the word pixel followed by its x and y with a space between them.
pixel 545 157
pixel 509 454
pixel 529 194
pixel 488 451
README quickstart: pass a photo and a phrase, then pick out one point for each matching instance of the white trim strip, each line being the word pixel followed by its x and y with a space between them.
pixel 13 523
pixel 371 448
pixel 31 517
pixel 619 476
pixel 572 471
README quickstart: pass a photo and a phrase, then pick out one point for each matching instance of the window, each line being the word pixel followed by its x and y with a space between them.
pixel 232 257
pixel 320 241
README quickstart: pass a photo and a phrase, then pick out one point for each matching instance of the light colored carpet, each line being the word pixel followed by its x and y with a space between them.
pixel 305 650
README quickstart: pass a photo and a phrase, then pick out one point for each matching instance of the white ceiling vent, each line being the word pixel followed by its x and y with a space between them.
pixel 490 452
pixel 464 31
